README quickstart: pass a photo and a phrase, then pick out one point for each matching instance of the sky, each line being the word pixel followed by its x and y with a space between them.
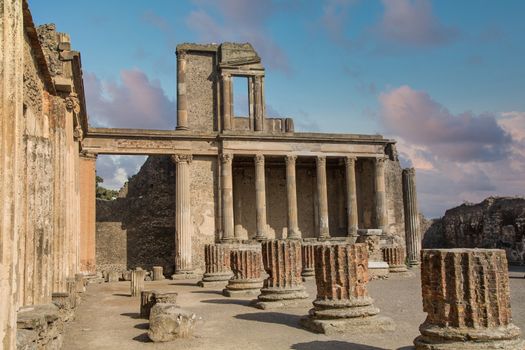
pixel 444 78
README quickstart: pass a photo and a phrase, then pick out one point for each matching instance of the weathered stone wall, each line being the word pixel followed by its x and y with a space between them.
pixel 201 91
pixel 494 223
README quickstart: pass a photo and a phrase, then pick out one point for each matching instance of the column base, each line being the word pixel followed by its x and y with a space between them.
pixel 184 275
pixel 378 269
pixel 214 280
pixel 398 268
pixel 308 275
pixel 274 298
pixel 348 325
pixel 243 287
pixel 182 128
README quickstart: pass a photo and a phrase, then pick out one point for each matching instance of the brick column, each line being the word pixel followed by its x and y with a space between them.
pixel 351 197
pixel 412 231
pixel 395 258
pixel 380 195
pixel 246 266
pixel 11 123
pixel 217 262
pixel 284 285
pixel 87 212
pixel 182 100
pixel 226 102
pixel 322 197
pixel 227 197
pixel 307 255
pixel 342 303
pixel 467 301
pixel 291 195
pixel 183 225
pixel 260 198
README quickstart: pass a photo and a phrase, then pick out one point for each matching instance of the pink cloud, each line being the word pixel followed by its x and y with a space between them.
pixel 133 102
pixel 412 23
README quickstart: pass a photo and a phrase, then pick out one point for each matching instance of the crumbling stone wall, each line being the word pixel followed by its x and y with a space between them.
pixel 497 222
pixel 201 91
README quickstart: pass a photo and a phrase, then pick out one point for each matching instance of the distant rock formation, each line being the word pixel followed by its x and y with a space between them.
pixel 497 222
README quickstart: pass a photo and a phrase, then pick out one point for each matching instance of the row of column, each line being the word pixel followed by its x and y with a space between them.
pixel 291 189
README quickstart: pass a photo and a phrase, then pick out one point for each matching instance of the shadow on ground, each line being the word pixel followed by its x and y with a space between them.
pixel 144 325
pixel 131 314
pixel 274 317
pixel 143 338
pixel 122 295
pixel 332 345
pixel 207 292
pixel 228 301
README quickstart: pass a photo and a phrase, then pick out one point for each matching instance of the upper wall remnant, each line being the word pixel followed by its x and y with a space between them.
pixel 205 89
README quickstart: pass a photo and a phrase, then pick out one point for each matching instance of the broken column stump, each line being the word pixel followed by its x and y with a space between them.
pixel 150 298
pixel 377 267
pixel 395 258
pixel 217 262
pixel 342 303
pixel 307 256
pixel 168 322
pixel 158 273
pixel 246 268
pixel 467 301
pixel 137 282
pixel 112 276
pixel 284 285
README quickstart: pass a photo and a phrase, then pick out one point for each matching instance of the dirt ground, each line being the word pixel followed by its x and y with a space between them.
pixel 108 319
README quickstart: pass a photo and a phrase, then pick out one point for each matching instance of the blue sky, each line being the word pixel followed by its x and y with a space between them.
pixel 445 77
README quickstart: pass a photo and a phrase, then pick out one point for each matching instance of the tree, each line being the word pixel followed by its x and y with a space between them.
pixel 102 192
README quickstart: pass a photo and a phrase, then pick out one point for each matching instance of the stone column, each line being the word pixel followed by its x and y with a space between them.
pixel 183 225
pixel 395 258
pixel 322 196
pixel 182 100
pixel 87 212
pixel 467 301
pixel 11 118
pixel 137 282
pixel 291 191
pixel 342 303
pixel 284 285
pixel 158 273
pixel 351 197
pixel 226 102
pixel 412 230
pixel 227 197
pixel 380 197
pixel 307 255
pixel 260 198
pixel 259 116
pixel 217 261
pixel 246 268
pixel 238 175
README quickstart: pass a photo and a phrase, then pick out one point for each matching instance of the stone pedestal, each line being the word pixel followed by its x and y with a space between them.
pixel 395 258
pixel 342 303
pixel 147 300
pixel 137 282
pixel 217 261
pixel 284 285
pixel 307 255
pixel 112 276
pixel 467 301
pixel 246 268
pixel 158 273
pixel 166 297
pixel 377 268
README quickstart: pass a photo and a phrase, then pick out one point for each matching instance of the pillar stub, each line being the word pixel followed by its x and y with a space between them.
pixel 217 265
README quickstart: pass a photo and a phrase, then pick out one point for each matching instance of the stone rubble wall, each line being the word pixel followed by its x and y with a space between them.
pixel 497 222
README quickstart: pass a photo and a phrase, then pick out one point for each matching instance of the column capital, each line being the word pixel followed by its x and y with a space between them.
pixel 290 159
pixel 350 160
pixel 409 171
pixel 181 55
pixel 321 161
pixel 178 158
pixel 225 76
pixel 380 160
pixel 259 159
pixel 226 158
pixel 88 155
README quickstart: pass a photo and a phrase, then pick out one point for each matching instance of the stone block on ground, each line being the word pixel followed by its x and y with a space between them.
pixel 168 322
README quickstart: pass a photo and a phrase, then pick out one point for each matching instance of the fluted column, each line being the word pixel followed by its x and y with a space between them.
pixel 260 198
pixel 291 191
pixel 246 266
pixel 395 258
pixel 137 282
pixel 322 197
pixel 284 285
pixel 183 226
pixel 467 300
pixel 308 258
pixel 226 102
pixel 11 122
pixel 217 262
pixel 342 303
pixel 259 116
pixel 227 197
pixel 182 100
pixel 351 197
pixel 380 195
pixel 412 230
